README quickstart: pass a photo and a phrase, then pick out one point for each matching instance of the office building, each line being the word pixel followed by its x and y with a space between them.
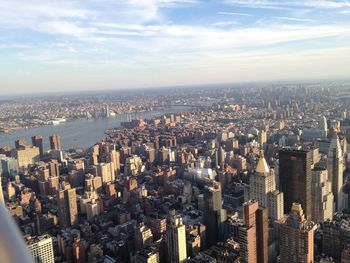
pixel 41 248
pixel 322 196
pixel 176 239
pixel 323 126
pixel 295 178
pixel 55 142
pixel 67 207
pixel 213 214
pixel 335 167
pixel 263 188
pixel 262 138
pixel 253 236
pixel 296 237
pixel 37 141
pixel 8 166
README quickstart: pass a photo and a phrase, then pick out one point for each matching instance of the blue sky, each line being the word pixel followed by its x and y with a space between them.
pixel 109 44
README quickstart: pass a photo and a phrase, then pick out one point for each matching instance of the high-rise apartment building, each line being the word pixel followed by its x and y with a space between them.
pixel 295 178
pixel 296 237
pixel 253 236
pixel 67 207
pixel 335 167
pixel 263 188
pixel 133 166
pixel 106 172
pixel 55 142
pixel 213 214
pixel 41 248
pixel 322 196
pixel 37 141
pixel 176 239
pixel 114 157
pixel 143 237
pixel 26 156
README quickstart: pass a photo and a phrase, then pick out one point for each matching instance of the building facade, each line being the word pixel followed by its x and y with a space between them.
pixel 296 237
pixel 322 196
pixel 176 239
pixel 253 236
pixel 263 188
pixel 67 207
pixel 41 249
pixel 295 178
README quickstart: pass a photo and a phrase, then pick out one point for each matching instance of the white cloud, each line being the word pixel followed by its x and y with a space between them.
pixel 274 4
pixel 136 37
pixel 234 14
pixel 293 19
pixel 225 23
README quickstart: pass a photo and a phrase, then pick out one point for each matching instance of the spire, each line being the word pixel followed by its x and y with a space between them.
pixel 262 166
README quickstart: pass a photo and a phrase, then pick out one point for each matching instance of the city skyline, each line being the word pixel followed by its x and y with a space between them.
pixel 240 174
pixel 91 45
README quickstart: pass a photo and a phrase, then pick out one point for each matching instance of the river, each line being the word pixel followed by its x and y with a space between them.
pixel 81 133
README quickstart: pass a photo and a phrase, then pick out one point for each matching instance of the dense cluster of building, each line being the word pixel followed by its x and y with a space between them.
pixel 17 113
pixel 248 179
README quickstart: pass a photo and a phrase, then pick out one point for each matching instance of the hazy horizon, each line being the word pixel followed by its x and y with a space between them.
pixel 101 91
pixel 65 46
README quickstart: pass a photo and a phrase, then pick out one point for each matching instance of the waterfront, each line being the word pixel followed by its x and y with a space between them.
pixel 82 132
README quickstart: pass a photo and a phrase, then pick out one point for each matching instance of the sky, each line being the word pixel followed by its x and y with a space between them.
pixel 78 45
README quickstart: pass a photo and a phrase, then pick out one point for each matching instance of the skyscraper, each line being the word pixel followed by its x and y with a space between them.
pixel 263 188
pixel 67 207
pixel 8 166
pixel 322 196
pixel 221 155
pixel 55 142
pixel 213 214
pixel 295 178
pixel 262 137
pixel 41 248
pixel 296 237
pixel 37 141
pixel 335 172
pixel 253 236
pixel 176 239
pixel 323 126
